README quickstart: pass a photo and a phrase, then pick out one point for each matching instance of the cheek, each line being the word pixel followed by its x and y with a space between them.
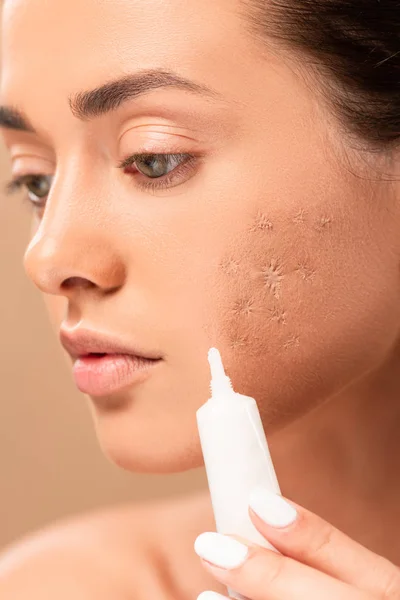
pixel 257 287
pixel 295 320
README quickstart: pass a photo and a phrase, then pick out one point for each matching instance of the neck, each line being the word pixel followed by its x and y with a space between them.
pixel 342 460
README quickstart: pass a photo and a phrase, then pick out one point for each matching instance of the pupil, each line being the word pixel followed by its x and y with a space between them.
pixel 38 186
pixel 152 166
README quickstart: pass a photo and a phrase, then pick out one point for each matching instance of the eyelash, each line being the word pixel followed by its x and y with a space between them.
pixel 153 184
pixel 166 180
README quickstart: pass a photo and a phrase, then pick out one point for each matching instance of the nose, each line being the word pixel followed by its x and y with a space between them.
pixel 70 254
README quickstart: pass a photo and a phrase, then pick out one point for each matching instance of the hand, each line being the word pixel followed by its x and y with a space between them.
pixel 318 562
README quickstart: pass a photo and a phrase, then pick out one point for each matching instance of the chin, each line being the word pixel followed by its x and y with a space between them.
pixel 147 460
pixel 154 448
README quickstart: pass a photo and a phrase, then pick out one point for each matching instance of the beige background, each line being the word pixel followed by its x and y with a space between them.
pixel 50 463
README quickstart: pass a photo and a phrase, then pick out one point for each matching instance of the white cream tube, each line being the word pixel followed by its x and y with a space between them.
pixel 236 455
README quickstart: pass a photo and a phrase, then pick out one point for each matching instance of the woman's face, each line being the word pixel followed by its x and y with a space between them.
pixel 269 244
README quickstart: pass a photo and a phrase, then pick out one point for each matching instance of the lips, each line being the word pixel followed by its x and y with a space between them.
pixel 85 342
pixel 104 365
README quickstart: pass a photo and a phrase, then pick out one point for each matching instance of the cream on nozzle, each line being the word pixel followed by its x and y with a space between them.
pixel 236 455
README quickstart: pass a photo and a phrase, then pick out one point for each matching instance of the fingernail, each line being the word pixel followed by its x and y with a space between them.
pixel 272 508
pixel 221 550
pixel 211 596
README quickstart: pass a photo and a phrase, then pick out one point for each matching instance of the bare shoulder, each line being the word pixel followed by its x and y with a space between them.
pixel 116 553
pixel 100 555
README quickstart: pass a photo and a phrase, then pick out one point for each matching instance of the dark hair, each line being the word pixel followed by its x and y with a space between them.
pixel 353 46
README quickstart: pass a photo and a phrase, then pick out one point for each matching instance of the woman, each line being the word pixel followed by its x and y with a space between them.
pixel 218 173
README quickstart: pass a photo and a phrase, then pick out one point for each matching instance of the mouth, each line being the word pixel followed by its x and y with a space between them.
pixel 99 374
pixel 103 365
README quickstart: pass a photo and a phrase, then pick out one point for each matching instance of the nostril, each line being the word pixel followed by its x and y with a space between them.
pixel 72 282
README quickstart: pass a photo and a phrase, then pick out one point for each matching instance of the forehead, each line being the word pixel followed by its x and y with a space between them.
pixel 77 44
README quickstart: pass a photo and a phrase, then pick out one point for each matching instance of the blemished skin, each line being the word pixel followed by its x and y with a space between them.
pixel 278 243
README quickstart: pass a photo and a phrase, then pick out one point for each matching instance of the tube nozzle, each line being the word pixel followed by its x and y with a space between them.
pixel 220 382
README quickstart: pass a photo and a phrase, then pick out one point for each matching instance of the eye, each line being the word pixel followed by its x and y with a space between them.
pixel 159 170
pixel 157 165
pixel 38 187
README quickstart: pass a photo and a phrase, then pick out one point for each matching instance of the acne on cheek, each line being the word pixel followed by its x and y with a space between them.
pixel 320 223
pixel 253 278
pixel 261 222
pixel 252 305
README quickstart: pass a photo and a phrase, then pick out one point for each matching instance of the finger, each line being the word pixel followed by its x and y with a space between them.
pixel 211 596
pixel 305 537
pixel 260 574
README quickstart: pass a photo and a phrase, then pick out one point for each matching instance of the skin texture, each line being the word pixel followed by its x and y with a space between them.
pixel 280 247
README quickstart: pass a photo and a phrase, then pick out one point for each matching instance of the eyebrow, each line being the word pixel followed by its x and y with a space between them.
pixel 89 104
